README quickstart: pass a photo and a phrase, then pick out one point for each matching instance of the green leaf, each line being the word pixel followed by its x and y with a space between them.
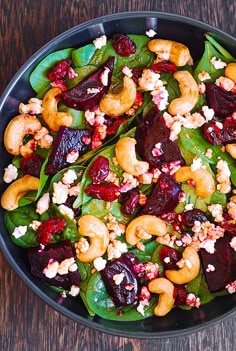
pixel 83 55
pixel 38 78
pixel 147 254
pixel 222 51
pixel 78 116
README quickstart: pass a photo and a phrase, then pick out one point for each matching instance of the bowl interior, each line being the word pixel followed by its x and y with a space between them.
pixel 168 26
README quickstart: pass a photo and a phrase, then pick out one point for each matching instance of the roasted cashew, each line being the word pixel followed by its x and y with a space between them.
pixel 16 130
pixel 51 116
pixel 150 224
pixel 230 71
pixel 231 149
pixel 16 190
pixel 98 234
pixel 126 157
pixel 170 50
pixel 166 299
pixel 189 271
pixel 189 94
pixel 115 105
pixel 204 182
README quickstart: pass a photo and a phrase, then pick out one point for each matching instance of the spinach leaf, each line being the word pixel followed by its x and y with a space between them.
pixel 198 287
pixel 78 116
pixel 38 78
pixel 98 208
pixel 101 303
pixel 211 38
pixel 83 55
pixel 146 255
pixel 22 216
pixel 85 272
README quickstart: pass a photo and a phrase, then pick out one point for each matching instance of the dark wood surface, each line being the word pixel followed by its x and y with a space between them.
pixel 26 322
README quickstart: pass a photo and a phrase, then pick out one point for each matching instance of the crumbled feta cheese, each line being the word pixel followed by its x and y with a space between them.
pixel 10 173
pixel 118 278
pixel 33 107
pixel 208 153
pixel 188 207
pixel 72 156
pixel 43 203
pixel 64 266
pixel 208 112
pixel 149 80
pixel 218 64
pixel 60 193
pixel 74 290
pixel 210 268
pixel 223 177
pixel 193 301
pixel 93 90
pixel 216 211
pixel 196 164
pixel 82 245
pixel 225 83
pixel 50 271
pixel 203 75
pixel 99 263
pixel 160 97
pixel 35 225
pixel 140 308
pixel 69 177
pixel 231 287
pixel 19 231
pixel 208 245
pixel 167 259
pixel 150 33
pixel 74 190
pixel 104 76
pixel 115 249
pixel 233 243
pixel 127 71
pixel 100 42
pixel 201 88
pixel 71 73
pixel 66 211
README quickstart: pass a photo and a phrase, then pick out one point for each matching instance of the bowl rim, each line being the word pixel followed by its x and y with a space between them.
pixel 4 249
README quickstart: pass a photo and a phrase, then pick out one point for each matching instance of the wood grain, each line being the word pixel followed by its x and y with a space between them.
pixel 26 322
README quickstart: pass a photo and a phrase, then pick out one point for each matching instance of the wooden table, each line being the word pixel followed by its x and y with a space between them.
pixel 26 322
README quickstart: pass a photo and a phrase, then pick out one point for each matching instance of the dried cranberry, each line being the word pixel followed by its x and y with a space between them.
pixel 123 45
pixel 49 227
pixel 164 66
pixel 164 197
pixel 180 295
pixel 113 124
pixel 121 296
pixel 223 262
pixel 67 139
pixel 99 169
pixel 189 217
pixel 106 191
pixel 153 130
pixel 78 97
pixel 60 70
pixel 169 257
pixel 129 201
pixel 39 259
pixel 223 102
pixel 31 164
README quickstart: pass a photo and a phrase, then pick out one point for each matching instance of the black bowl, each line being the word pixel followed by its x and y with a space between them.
pixel 168 26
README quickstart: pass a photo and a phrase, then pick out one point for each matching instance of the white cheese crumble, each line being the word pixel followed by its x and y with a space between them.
pixel 150 33
pixel 60 193
pixel 218 64
pixel 43 203
pixel 149 80
pixel 66 211
pixel 223 177
pixel 188 207
pixel 217 212
pixel 93 90
pixel 69 177
pixel 19 231
pixel 210 268
pixel 196 164
pixel 225 83
pixel 115 249
pixel 64 266
pixel 160 97
pixel 203 75
pixel 104 76
pixel 50 271
pixel 231 287
pixel 100 42
pixel 35 225
pixel 127 71
pixel 118 278
pixel 233 243
pixel 99 263
pixel 72 156
pixel 208 245
pixel 10 173
pixel 74 290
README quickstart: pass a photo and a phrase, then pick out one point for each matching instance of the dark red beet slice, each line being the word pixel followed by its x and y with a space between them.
pixel 31 164
pixel 180 295
pixel 221 136
pixel 126 292
pixel 173 257
pixel 223 262
pixel 129 201
pixel 39 259
pixel 223 102
pixel 153 130
pixel 113 124
pixel 164 197
pixel 67 140
pixel 189 217
pixel 79 98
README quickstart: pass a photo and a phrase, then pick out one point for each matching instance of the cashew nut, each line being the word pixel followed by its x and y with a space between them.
pixel 166 299
pixel 16 190
pixel 115 105
pixel 149 224
pixel 230 71
pixel 170 50
pixel 231 149
pixel 189 94
pixel 51 116
pixel 204 182
pixel 126 157
pixel 189 271
pixel 16 130
pixel 98 234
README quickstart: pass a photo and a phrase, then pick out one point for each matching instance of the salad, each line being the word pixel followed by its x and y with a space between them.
pixel 121 189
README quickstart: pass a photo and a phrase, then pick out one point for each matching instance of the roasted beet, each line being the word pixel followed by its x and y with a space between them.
pixel 67 140
pixel 104 191
pixel 123 45
pixel 221 136
pixel 223 102
pixel 169 257
pixel 31 164
pixel 51 226
pixel 189 217
pixel 121 283
pixel 113 124
pixel 129 201
pixel 151 131
pixel 164 66
pixel 39 260
pixel 136 74
pixel 164 197
pixel 223 262
pixel 80 98
pixel 99 169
